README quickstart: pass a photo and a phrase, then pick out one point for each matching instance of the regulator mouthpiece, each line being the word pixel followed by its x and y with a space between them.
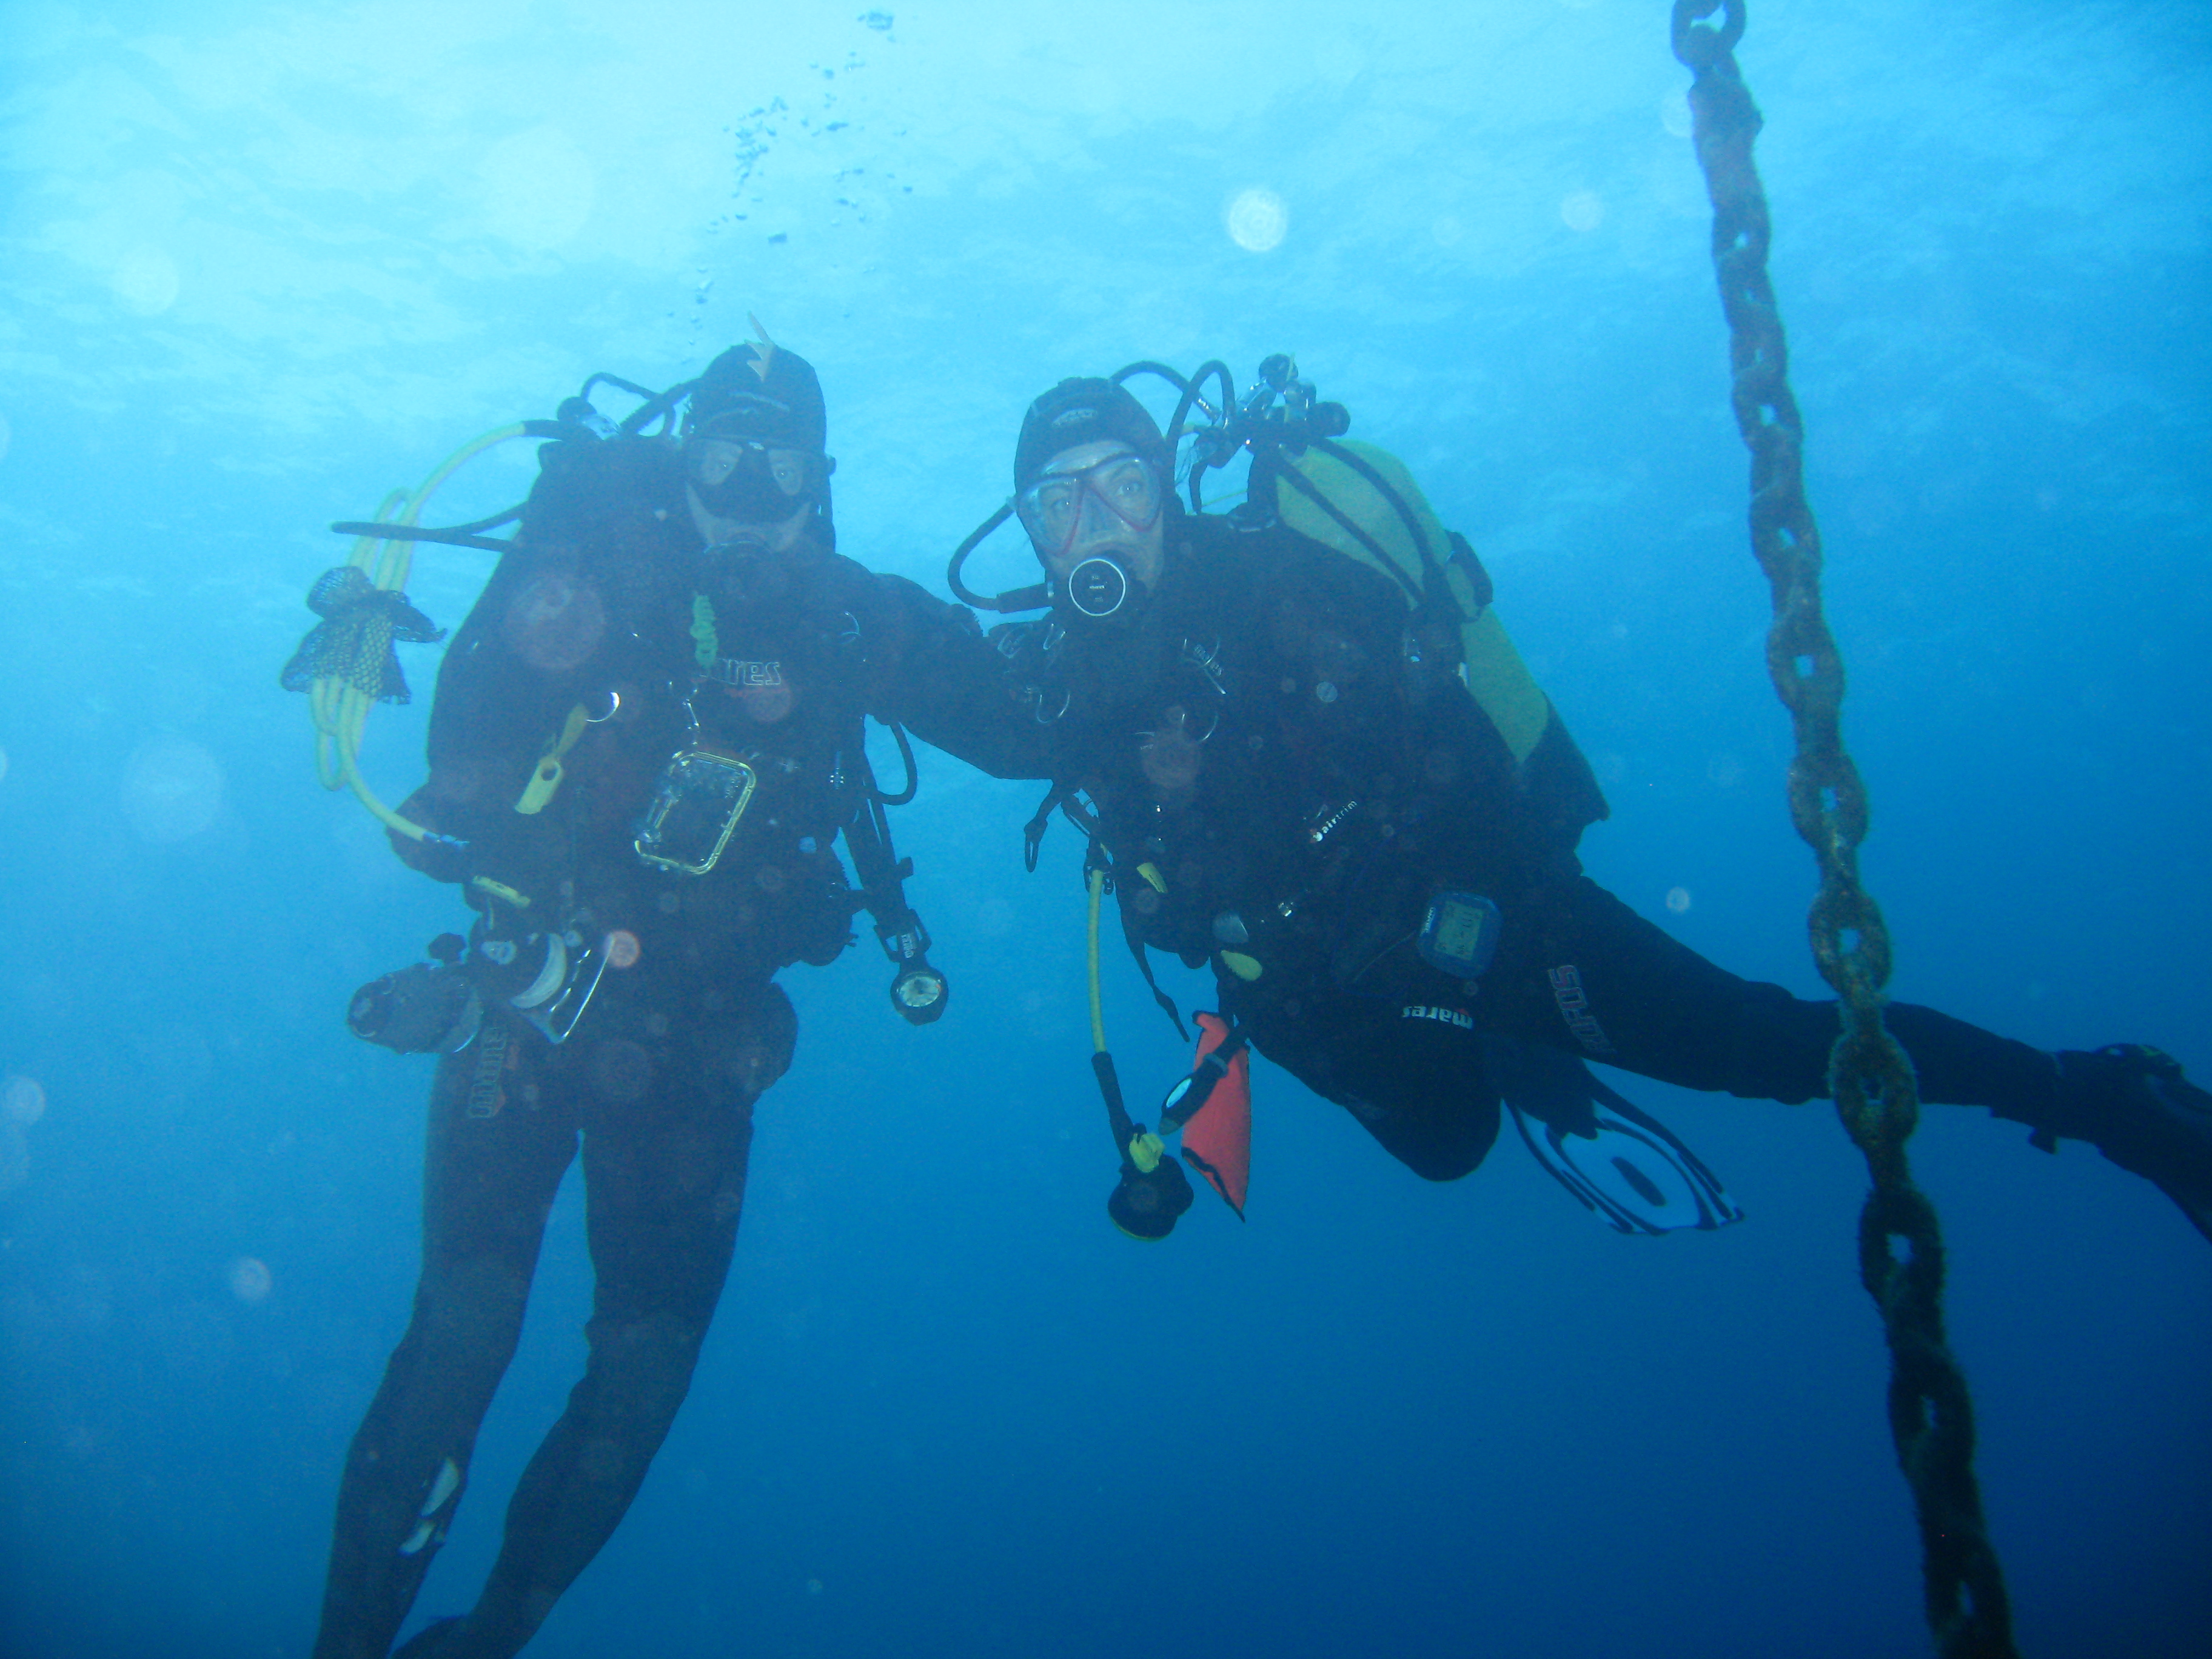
pixel 1097 587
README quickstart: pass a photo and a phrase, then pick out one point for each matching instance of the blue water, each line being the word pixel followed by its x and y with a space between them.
pixel 264 264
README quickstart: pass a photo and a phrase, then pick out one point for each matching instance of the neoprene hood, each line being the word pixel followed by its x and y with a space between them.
pixel 775 399
pixel 1082 411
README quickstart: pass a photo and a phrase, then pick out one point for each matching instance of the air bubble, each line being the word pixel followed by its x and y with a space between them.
pixel 172 790
pixel 1257 220
pixel 23 1101
pixel 250 1280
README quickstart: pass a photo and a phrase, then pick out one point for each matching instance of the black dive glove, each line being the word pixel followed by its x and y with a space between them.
pixel 545 976
pixel 427 1007
pixel 2132 1104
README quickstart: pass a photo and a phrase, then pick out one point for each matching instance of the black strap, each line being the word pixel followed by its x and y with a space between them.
pixel 1117 1114
pixel 415 533
pixel 1307 487
pixel 1135 941
pixel 1462 555
pixel 1432 598
pixel 1067 798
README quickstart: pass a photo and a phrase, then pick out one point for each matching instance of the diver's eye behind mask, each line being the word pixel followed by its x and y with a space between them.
pixel 745 481
pixel 1120 492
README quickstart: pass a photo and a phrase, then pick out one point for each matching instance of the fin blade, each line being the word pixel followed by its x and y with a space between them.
pixel 1623 1163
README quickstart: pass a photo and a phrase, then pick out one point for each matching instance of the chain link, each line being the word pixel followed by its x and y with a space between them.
pixel 1930 1411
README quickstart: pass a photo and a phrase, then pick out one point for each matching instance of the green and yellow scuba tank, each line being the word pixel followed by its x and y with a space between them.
pixel 1361 500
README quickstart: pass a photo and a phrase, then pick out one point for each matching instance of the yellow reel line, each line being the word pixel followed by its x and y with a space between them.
pixel 1144 1149
pixel 340 708
pixel 1098 1010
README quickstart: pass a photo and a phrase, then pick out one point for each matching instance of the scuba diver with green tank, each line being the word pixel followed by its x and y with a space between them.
pixel 646 738
pixel 1304 753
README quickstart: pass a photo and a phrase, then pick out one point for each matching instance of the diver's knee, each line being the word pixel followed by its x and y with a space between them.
pixel 476 1306
pixel 650 1357
pixel 1431 1157
pixel 1433 1148
pixel 1432 1166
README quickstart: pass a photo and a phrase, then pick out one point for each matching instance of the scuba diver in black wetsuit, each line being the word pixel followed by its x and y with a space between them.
pixel 1288 778
pixel 646 738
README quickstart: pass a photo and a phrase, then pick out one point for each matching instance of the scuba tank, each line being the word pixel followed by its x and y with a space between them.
pixel 1363 502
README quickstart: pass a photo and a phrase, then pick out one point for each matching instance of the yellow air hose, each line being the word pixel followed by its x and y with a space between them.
pixel 338 707
pixel 1097 1011
pixel 1144 1149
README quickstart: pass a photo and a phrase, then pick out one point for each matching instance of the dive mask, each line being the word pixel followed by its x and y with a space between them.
pixel 745 481
pixel 1122 492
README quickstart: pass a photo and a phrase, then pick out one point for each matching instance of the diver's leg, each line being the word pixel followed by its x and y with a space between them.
pixel 487 1183
pixel 1585 972
pixel 1411 1074
pixel 665 1181
pixel 1588 972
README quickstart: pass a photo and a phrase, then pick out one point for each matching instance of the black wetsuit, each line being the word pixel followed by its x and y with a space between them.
pixel 598 609
pixel 1281 789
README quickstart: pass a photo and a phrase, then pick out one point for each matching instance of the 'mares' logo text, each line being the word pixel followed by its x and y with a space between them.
pixel 1458 1017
